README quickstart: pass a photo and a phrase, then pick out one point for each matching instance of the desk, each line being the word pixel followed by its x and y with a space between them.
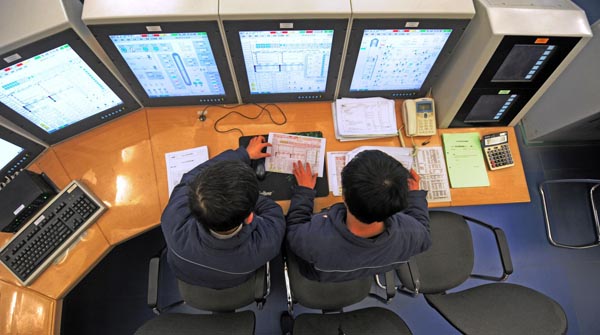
pixel 123 163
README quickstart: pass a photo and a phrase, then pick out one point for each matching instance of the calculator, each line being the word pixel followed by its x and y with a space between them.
pixel 497 151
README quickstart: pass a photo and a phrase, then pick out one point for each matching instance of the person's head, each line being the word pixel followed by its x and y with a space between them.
pixel 375 186
pixel 223 195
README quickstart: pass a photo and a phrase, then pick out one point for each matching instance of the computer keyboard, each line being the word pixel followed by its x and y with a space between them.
pixel 50 232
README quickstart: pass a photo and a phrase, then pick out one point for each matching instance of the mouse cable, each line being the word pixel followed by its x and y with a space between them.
pixel 263 109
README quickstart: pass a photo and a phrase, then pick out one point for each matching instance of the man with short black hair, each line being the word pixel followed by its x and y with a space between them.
pixel 218 229
pixel 382 222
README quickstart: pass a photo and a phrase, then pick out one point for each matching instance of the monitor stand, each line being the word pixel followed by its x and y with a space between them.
pixel 278 186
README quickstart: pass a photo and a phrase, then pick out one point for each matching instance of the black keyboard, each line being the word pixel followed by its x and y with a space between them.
pixel 50 232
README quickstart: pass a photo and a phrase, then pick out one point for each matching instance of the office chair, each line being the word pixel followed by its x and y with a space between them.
pixel 574 215
pixel 223 303
pixel 331 298
pixel 493 308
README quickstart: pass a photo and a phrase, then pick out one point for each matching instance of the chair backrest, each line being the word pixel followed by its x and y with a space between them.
pixel 448 262
pixel 229 299
pixel 321 295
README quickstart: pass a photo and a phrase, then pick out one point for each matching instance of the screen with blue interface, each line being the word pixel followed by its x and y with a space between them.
pixel 171 64
pixel 286 61
pixel 55 89
pixel 8 152
pixel 397 59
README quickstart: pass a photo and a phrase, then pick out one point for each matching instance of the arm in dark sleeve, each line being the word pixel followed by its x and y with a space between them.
pixel 417 207
pixel 238 154
pixel 301 205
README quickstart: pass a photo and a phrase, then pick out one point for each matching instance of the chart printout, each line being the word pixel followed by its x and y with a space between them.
pixel 287 149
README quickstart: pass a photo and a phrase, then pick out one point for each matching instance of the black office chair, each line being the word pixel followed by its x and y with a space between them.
pixel 494 308
pixel 223 303
pixel 331 298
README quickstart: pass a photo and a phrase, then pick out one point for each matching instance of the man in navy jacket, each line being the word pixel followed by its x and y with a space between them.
pixel 217 228
pixel 381 223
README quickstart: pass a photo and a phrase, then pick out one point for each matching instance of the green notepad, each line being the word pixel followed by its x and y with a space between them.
pixel 464 159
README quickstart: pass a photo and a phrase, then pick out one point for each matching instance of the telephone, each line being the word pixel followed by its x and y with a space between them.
pixel 419 117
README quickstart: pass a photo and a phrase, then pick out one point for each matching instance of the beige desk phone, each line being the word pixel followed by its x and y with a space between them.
pixel 419 117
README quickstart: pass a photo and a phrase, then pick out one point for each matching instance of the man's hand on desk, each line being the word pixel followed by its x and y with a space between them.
pixel 304 176
pixel 413 181
pixel 255 147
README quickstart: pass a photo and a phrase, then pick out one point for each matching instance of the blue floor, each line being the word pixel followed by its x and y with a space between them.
pixel 111 299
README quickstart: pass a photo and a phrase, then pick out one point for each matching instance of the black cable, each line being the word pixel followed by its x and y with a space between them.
pixel 263 109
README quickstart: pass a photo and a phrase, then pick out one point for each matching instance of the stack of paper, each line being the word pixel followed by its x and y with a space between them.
pixel 359 119
pixel 464 157
pixel 180 162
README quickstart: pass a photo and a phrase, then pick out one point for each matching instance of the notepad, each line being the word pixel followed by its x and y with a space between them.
pixel 464 159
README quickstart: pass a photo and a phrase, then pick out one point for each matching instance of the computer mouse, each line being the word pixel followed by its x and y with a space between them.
pixel 260 170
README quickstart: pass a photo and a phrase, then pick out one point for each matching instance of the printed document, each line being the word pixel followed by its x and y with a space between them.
pixel 336 160
pixel 287 149
pixel 402 155
pixel 464 156
pixel 431 167
pixel 364 118
pixel 180 162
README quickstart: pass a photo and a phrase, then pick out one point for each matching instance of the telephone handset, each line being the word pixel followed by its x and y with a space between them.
pixel 419 117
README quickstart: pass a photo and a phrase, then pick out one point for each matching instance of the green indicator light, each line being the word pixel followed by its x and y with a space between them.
pixel 174 34
pixel 38 57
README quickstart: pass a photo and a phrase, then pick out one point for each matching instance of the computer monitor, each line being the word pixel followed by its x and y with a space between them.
pixel 56 87
pixel 286 60
pixel 396 58
pixel 16 152
pixel 170 63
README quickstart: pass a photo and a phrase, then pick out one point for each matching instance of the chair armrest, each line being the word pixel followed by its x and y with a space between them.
pixel 503 251
pixel 389 287
pixel 153 277
pixel 409 269
pixel 262 283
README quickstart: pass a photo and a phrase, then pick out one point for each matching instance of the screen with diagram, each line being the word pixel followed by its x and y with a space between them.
pixel 55 89
pixel 171 64
pixel 287 61
pixel 397 59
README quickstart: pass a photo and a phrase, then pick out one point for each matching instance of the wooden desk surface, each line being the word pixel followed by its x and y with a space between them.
pixel 123 164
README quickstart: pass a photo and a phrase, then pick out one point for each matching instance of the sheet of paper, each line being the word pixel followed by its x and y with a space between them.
pixel 365 117
pixel 180 162
pixel 336 160
pixel 431 167
pixel 464 157
pixel 287 149
pixel 402 155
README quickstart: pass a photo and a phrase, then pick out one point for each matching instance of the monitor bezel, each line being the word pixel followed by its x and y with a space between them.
pixel 31 150
pixel 232 29
pixel 102 33
pixel 458 26
pixel 81 48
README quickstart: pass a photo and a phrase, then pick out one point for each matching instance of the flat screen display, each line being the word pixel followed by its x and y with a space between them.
pixel 55 89
pixel 523 62
pixel 396 59
pixel 286 61
pixel 171 64
pixel 8 152
pixel 491 107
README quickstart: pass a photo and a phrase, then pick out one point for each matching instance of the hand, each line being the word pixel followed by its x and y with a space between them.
pixel 413 181
pixel 305 177
pixel 255 147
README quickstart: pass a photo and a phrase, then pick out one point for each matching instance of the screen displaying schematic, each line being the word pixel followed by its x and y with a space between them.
pixel 171 64
pixel 55 89
pixel 397 59
pixel 8 152
pixel 286 61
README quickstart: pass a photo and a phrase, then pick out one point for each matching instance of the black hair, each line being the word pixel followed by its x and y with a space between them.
pixel 223 195
pixel 375 186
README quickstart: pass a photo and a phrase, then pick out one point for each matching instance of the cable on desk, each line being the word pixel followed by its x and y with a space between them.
pixel 263 109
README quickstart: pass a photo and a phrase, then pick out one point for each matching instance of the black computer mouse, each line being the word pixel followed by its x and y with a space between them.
pixel 260 170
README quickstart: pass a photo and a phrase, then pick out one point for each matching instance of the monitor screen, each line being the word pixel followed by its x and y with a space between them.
pixel 171 64
pixel 523 62
pixel 397 59
pixel 16 152
pixel 286 61
pixel 8 152
pixel 55 89
pixel 491 108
